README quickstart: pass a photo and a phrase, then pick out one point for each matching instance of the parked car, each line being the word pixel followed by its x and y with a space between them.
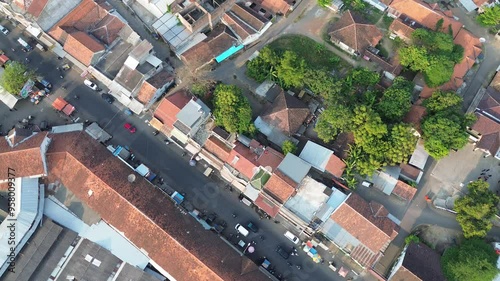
pixel 292 237
pixel 4 30
pixel 253 227
pixel 91 85
pixel 284 254
pixel 46 83
pixel 241 230
pixel 129 128
pixel 108 98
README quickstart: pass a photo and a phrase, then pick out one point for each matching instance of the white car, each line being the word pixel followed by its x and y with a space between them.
pixel 90 84
pixel 4 30
pixel 292 237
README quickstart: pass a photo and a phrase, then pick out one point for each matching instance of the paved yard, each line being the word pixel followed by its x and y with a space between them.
pixel 456 170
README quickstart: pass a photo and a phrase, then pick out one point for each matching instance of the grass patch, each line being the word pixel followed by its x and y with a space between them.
pixel 387 21
pixel 372 15
pixel 315 54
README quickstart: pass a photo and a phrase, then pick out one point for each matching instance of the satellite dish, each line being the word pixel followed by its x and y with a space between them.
pixel 131 178
pixel 482 40
pixel 269 169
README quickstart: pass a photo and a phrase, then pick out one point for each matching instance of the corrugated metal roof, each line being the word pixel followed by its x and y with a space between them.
pixel 316 155
pixel 294 167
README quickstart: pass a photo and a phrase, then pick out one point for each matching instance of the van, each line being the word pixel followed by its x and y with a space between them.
pixel 241 230
pixel 292 237
pixel 366 184
pixel 24 44
pixel 4 30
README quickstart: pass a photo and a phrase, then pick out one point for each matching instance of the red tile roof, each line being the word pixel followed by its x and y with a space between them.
pixel 270 158
pixel 415 116
pixel 485 125
pixel 218 148
pixel 82 47
pixel 335 166
pixel 280 187
pixel 409 171
pixel 275 6
pixel 490 103
pixel 244 21
pixel 25 158
pixel 218 41
pixel 243 160
pixel 153 84
pixel 169 107
pixel 33 7
pixel 267 205
pixel 425 14
pixel 354 31
pixel 287 113
pixel 401 29
pixel 142 213
pixel 90 17
pixel 367 222
pixel 404 191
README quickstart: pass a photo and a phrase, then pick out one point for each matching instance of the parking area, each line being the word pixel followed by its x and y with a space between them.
pixel 455 171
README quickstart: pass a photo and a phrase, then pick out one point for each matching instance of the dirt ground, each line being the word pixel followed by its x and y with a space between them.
pixel 438 238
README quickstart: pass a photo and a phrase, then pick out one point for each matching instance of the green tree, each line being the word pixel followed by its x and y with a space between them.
pixel 333 121
pixel 439 24
pixel 414 57
pixel 412 238
pixel 291 70
pixel 476 209
pixel 440 101
pixel 363 77
pixel 368 164
pixel 457 54
pixel 402 144
pixel 15 76
pixel 490 16
pixel 438 72
pixel 473 260
pixel 324 3
pixel 199 89
pixel 442 132
pixel 321 82
pixel 262 67
pixel 288 147
pixel 368 127
pixel 396 101
pixel 231 109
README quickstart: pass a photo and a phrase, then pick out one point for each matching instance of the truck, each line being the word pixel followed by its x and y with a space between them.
pixel 144 171
pixel 3 60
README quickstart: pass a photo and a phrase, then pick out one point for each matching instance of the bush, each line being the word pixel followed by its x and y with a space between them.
pixel 412 238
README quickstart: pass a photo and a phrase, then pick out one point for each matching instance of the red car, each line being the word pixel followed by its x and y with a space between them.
pixel 129 127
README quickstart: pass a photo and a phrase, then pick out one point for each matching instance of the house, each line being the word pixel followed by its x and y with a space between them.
pixel 379 5
pixel 219 44
pixel 152 88
pixel 273 7
pixel 268 90
pixel 353 34
pixel 417 262
pixel 322 159
pixel 412 12
pixel 415 117
pixel 283 118
pixel 245 23
pixel 390 66
pixel 410 173
pixel 189 120
pixel 362 229
pixel 165 114
pixel 485 132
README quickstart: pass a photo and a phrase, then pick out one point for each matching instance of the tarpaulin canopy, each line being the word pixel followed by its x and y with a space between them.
pixel 68 109
pixel 59 104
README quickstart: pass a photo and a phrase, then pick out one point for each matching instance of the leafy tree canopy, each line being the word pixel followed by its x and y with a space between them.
pixel 396 101
pixel 15 76
pixel 442 132
pixel 440 101
pixel 333 121
pixel 291 70
pixel 473 260
pixel 232 110
pixel 324 3
pixel 433 53
pixel 402 143
pixel 476 209
pixel 288 147
pixel 490 16
pixel 322 83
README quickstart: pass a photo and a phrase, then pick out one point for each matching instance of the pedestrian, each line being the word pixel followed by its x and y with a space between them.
pixel 11 110
pixel 15 109
pixel 487 170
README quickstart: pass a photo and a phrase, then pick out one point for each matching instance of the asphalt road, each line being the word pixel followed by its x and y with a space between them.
pixel 203 193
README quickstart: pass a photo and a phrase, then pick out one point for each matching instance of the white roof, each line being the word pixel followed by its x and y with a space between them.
pixel 142 169
pixel 316 155
pixel 294 167
pixel 169 28
pixel 308 200
pixel 97 132
pixel 67 128
pixel 251 192
pixel 419 156
pixel 469 5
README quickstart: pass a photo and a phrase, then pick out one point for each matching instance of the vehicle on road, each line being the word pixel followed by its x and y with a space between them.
pixel 63 106
pixel 292 237
pixel 129 127
pixel 4 30
pixel 66 67
pixel 3 59
pixel 252 227
pixel 108 98
pixel 46 83
pixel 241 230
pixel 91 85
pixel 284 254
pixel 25 45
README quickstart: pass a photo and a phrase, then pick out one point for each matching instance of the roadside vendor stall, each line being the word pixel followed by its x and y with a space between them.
pixel 311 251
pixel 61 105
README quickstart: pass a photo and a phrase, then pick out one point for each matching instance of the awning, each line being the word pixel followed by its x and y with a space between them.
pixel 267 206
pixel 59 103
pixel 155 123
pixel 25 91
pixel 68 109
pixel 7 98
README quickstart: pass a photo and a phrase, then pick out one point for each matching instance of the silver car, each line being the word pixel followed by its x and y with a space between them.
pixel 4 30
